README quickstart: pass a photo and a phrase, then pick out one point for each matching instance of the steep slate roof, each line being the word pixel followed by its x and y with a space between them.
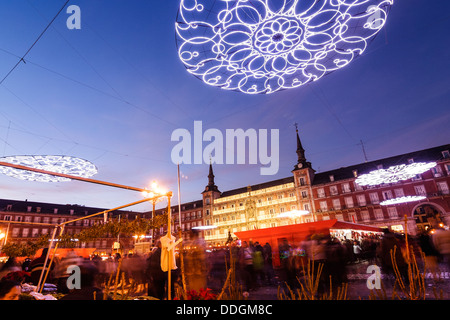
pixel 48 208
pixel 427 155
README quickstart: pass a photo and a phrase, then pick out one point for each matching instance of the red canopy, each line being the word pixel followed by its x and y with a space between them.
pixel 301 230
pixel 296 233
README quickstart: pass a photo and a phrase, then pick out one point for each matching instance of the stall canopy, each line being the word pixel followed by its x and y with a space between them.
pixel 62 252
pixel 296 233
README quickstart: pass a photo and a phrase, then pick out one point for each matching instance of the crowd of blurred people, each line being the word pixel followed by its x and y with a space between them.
pixel 255 264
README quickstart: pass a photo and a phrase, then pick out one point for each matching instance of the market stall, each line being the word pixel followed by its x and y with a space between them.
pixel 296 233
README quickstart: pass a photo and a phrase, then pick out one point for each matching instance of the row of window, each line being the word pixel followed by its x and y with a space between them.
pixel 269 199
pixel 363 216
pixel 374 197
pixel 346 187
pixel 52 220
pixel 188 215
pixel 378 214
pixel 18 232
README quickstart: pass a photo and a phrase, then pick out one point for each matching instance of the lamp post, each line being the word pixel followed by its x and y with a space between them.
pixel 156 194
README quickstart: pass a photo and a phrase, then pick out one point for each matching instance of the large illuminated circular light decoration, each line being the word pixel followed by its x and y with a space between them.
pixel 54 163
pixel 394 174
pixel 264 46
pixel 402 200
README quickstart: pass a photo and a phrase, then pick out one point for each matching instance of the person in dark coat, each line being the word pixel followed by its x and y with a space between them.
pixel 390 243
pixel 88 289
pixel 155 275
pixel 37 265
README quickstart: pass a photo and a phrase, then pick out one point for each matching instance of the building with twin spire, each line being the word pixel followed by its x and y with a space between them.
pixel 333 194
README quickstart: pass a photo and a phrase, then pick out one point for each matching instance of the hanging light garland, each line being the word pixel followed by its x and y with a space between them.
pixel 394 174
pixel 264 46
pixel 54 163
pixel 399 200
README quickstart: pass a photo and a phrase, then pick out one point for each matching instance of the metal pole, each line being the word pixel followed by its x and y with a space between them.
pixel 169 233
pixel 46 259
pixel 109 210
pixel 179 196
pixel 63 175
pixel 153 228
pixel 51 260
pixel 7 233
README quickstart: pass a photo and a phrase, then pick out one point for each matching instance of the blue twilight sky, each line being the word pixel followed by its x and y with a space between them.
pixel 114 91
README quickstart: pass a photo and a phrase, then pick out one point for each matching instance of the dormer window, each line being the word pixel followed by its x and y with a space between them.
pixel 446 154
pixel 331 177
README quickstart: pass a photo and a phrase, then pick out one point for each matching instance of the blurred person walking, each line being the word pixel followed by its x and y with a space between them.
pixel 10 290
pixel 441 241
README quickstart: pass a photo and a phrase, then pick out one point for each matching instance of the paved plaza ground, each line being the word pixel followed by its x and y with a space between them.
pixel 357 285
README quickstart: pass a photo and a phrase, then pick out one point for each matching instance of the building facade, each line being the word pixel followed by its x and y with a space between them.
pixel 326 195
pixel 334 195
pixel 24 221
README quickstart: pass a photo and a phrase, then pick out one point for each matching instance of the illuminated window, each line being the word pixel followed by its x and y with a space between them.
pixel 320 193
pixel 374 198
pixel 336 204
pixel 35 232
pixel 442 187
pixel 352 217
pixel 399 193
pixel 333 190
pixel 387 194
pixel 365 216
pixel 420 190
pixel 349 202
pixel 346 187
pixel 392 212
pixel 379 214
pixel 361 200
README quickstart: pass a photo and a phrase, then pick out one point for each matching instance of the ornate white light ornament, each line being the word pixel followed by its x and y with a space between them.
pixel 264 46
pixel 394 174
pixel 59 164
pixel 402 200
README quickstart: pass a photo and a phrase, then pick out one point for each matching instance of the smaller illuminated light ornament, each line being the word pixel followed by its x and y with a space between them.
pixel 404 199
pixel 264 46
pixel 53 163
pixel 293 214
pixel 209 227
pixel 394 174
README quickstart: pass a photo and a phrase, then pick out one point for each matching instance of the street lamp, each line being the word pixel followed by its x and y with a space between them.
pixel 156 194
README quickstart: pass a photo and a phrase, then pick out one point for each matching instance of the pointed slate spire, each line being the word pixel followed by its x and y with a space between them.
pixel 300 151
pixel 301 159
pixel 210 175
pixel 211 184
